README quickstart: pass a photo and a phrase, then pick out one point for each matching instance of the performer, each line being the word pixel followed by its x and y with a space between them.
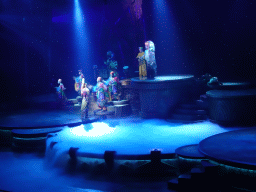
pixel 60 93
pixel 78 81
pixel 142 63
pixel 112 84
pixel 150 59
pixel 111 63
pixel 102 95
pixel 85 100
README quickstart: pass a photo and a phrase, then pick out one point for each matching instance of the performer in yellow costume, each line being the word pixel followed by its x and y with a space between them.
pixel 142 63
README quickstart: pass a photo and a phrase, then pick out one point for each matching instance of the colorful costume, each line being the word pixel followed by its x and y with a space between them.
pixel 102 95
pixel 78 82
pixel 142 64
pixel 113 88
pixel 61 94
pixel 85 102
pixel 60 91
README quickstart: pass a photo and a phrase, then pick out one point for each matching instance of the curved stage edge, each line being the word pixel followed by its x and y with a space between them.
pixel 39 119
pixel 120 140
pixel 234 148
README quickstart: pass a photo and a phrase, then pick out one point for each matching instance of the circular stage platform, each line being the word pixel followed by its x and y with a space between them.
pixel 235 148
pixel 189 151
pixel 31 119
pixel 159 96
pixel 232 107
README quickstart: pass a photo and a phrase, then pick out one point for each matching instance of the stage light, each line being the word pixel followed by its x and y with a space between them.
pixel 78 13
pixel 81 38
pixel 166 37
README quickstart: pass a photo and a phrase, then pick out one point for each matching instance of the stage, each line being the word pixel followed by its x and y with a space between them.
pixel 128 144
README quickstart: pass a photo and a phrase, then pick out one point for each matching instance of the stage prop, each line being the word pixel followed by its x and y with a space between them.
pixel 160 96
pixel 232 107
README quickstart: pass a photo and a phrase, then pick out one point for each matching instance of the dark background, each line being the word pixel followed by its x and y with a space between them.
pixel 39 44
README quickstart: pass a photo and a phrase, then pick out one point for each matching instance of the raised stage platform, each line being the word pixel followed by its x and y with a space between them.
pixel 133 137
pixel 234 148
pixel 160 96
pixel 39 118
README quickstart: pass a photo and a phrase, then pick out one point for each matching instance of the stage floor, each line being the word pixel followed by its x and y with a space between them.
pixel 133 136
pixel 39 118
pixel 130 135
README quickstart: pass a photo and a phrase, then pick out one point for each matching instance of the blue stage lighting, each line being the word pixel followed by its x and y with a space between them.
pixel 81 42
pixel 78 13
pixel 92 130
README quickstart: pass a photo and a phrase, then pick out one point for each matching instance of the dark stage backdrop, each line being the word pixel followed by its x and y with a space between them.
pixel 39 43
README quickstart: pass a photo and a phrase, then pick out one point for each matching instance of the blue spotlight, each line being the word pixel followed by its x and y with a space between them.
pixel 167 39
pixel 81 37
pixel 78 13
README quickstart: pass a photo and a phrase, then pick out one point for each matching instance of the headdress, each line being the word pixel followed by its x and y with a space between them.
pixel 99 79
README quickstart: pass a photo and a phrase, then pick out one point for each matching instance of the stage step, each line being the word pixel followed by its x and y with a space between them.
pixel 122 110
pixel 173 184
pixel 202 104
pixel 31 139
pixel 198 179
pixel 29 145
pixel 188 117
pixel 191 111
pixel 122 102
pixel 74 101
pixel 184 182
pixel 189 151
pixel 193 181
pixel 204 97
pixel 189 106
pixel 197 173
pixel 210 168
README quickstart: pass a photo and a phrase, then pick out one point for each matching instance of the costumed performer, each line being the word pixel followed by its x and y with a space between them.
pixel 150 59
pixel 85 100
pixel 112 84
pixel 102 94
pixel 60 93
pixel 78 81
pixel 142 63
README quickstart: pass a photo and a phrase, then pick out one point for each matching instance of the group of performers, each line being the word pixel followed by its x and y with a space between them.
pixel 147 61
pixel 105 91
pixel 108 90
